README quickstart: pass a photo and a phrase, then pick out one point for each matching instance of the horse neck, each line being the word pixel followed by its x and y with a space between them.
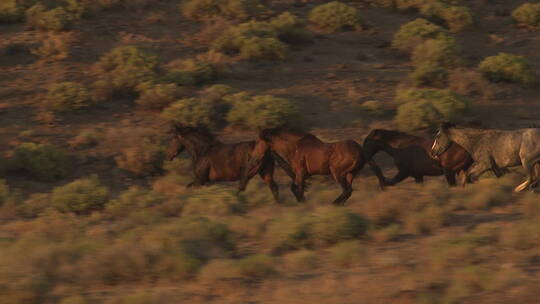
pixel 466 138
pixel 285 144
pixel 197 147
pixel 404 141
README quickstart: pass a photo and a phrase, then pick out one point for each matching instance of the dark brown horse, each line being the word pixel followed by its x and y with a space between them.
pixel 412 156
pixel 302 155
pixel 214 161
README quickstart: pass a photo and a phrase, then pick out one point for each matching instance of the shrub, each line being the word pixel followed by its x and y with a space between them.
pixel 386 234
pixel 265 111
pixel 252 40
pixel 86 139
pixel 290 29
pixel 191 72
pixel 4 192
pixel 192 112
pixel 507 67
pixel 57 19
pixel 11 11
pixel 374 107
pixel 157 96
pixel 214 200
pixel 332 225
pixel 256 266
pixel 123 69
pixel 230 9
pixel 67 97
pixel 425 108
pixel 442 52
pixel 346 253
pixel 81 196
pixel 527 14
pixel 301 261
pixel 53 47
pixel 429 74
pixel 41 161
pixel 415 32
pixel 219 270
pixel 457 18
pixel 289 232
pixel 425 221
pixel 335 16
pixel 134 199
pixel 142 159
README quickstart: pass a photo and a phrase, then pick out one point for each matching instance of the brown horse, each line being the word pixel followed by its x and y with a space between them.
pixel 302 155
pixel 412 156
pixel 214 161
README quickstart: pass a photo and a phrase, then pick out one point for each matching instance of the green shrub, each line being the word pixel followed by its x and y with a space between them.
pixel 332 225
pixel 191 72
pixel 230 9
pixel 67 97
pixel 457 18
pixel 527 14
pixel 429 74
pixel 142 159
pixel 192 112
pixel 507 67
pixel 289 232
pixel 346 253
pixel 415 32
pixel 57 19
pixel 265 111
pixel 442 52
pixel 335 16
pixel 133 199
pixel 373 107
pixel 290 29
pixel 157 96
pixel 214 200
pixel 425 108
pixel 219 270
pixel 301 261
pixel 81 196
pixel 256 48
pixel 424 221
pixel 11 11
pixel 86 139
pixel 41 161
pixel 53 47
pixel 123 69
pixel 256 266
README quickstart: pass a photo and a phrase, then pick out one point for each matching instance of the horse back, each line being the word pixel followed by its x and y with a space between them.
pixel 228 160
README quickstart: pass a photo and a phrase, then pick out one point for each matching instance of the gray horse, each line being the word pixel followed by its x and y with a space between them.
pixel 489 147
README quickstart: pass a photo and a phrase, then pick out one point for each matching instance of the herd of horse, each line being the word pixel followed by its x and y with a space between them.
pixel 465 152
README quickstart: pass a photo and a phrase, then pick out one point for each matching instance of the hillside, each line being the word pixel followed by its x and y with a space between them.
pixel 90 212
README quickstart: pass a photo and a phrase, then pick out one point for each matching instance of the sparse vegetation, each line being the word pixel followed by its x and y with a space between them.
pixel 81 197
pixel 527 14
pixel 335 16
pixel 67 97
pixel 157 96
pixel 265 111
pixel 231 9
pixel 57 19
pixel 192 112
pixel 507 67
pixel 143 158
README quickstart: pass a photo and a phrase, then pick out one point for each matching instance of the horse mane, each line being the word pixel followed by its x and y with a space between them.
pixel 267 134
pixel 199 135
pixel 391 135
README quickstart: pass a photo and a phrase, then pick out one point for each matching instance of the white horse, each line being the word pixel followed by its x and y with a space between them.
pixel 505 148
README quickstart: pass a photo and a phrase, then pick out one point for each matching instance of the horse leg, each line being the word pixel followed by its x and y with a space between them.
pixel 202 175
pixel 450 177
pixel 401 175
pixel 419 179
pixel 377 170
pixel 464 178
pixel 528 165
pixel 267 175
pixel 298 186
pixel 345 181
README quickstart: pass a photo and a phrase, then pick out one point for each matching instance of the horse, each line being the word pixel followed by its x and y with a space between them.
pixel 412 156
pixel 491 146
pixel 214 161
pixel 303 154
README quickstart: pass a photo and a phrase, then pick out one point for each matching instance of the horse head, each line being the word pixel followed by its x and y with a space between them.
pixel 442 139
pixel 196 139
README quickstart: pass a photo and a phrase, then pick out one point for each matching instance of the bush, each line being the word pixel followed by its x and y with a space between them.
pixel 191 72
pixel 527 14
pixel 219 270
pixel 332 225
pixel 53 47
pixel 442 52
pixel 123 69
pixel 507 67
pixel 425 221
pixel 67 97
pixel 265 111
pixel 230 9
pixel 301 261
pixel 289 232
pixel 41 161
pixel 425 108
pixel 290 29
pixel 11 11
pixel 347 253
pixel 214 200
pixel 415 32
pixel 86 139
pixel 157 96
pixel 57 19
pixel 256 266
pixel 335 16
pixel 81 196
pixel 429 74
pixel 4 192
pixel 142 159
pixel 256 48
pixel 457 18
pixel 373 107
pixel 192 112
pixel 135 199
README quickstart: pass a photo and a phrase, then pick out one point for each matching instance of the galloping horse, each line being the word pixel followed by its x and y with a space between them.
pixel 214 161
pixel 412 158
pixel 302 155
pixel 488 147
